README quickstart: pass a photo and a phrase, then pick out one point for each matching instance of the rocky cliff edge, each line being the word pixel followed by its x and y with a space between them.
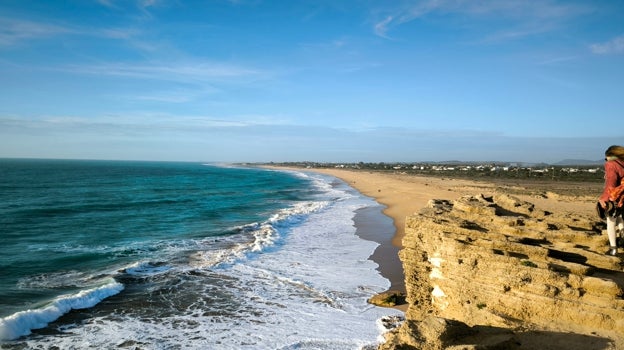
pixel 494 272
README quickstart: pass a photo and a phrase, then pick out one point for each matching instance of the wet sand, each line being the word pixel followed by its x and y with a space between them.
pixel 402 195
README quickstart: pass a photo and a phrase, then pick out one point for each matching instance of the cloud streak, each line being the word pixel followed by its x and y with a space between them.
pixel 613 46
pixel 528 16
pixel 18 31
pixel 142 5
pixel 15 31
pixel 177 72
pixel 217 139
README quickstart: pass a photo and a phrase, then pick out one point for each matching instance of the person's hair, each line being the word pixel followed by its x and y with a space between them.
pixel 615 151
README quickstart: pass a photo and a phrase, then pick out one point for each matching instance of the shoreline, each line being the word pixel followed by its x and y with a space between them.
pixel 403 195
pixel 373 225
pixel 565 205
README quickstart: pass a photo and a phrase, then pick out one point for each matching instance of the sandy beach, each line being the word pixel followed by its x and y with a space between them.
pixel 404 194
pixel 401 194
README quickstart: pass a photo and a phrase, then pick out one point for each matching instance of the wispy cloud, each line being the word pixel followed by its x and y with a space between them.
pixel 134 38
pixel 134 123
pixel 381 27
pixel 17 31
pixel 14 31
pixel 529 17
pixel 613 46
pixel 172 96
pixel 107 3
pixel 148 3
pixel 179 72
pixel 142 5
pixel 197 137
pixel 118 33
pixel 525 30
pixel 556 60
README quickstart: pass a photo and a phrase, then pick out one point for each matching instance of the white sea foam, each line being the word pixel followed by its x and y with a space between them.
pixel 21 323
pixel 61 279
pixel 257 237
pixel 145 268
pixel 304 287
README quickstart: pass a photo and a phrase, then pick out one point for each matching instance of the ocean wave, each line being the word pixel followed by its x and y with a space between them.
pixel 297 276
pixel 329 344
pixel 56 280
pixel 145 268
pixel 23 322
pixel 257 237
pixel 296 212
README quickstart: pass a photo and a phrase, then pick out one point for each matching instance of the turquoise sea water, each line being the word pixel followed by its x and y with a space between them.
pixel 104 253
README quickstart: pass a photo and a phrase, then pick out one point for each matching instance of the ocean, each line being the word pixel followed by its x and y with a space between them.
pixel 164 255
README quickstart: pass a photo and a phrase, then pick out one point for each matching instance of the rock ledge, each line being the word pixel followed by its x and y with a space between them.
pixel 494 272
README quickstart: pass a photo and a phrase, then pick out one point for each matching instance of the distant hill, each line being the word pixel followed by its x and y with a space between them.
pixel 579 162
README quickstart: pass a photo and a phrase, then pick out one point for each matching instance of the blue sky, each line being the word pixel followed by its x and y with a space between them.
pixel 338 81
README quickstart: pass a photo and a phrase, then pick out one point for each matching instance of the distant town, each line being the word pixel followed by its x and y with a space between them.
pixel 473 170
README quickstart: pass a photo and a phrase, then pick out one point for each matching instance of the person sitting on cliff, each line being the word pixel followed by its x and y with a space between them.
pixel 614 173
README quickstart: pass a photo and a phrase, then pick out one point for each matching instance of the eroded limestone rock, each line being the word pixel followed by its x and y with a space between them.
pixel 499 262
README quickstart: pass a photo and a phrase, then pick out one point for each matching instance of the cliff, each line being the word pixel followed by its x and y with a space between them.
pixel 497 273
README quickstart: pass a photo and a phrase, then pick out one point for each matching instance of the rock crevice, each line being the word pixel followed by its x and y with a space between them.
pixel 500 273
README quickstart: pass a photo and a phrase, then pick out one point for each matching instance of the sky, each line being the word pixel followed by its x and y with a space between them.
pixel 322 80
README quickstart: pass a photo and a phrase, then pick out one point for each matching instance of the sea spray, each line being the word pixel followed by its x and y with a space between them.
pixel 21 323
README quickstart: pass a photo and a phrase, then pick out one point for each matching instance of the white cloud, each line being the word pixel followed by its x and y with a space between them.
pixel 13 31
pixel 381 28
pixel 520 9
pixel 529 16
pixel 107 3
pixel 175 95
pixel 137 123
pixel 148 3
pixel 179 71
pixel 522 30
pixel 141 4
pixel 613 46
pixel 119 33
pixel 556 60
pixel 163 137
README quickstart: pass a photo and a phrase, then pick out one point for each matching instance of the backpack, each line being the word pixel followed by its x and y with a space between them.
pixel 616 194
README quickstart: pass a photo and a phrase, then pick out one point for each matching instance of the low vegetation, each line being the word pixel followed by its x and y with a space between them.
pixel 474 171
pixel 580 180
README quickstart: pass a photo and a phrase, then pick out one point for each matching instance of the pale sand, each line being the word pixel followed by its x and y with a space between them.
pixel 404 195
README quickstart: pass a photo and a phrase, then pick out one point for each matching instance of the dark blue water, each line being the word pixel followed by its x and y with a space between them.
pixel 152 241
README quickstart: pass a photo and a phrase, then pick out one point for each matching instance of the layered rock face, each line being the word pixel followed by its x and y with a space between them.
pixel 497 273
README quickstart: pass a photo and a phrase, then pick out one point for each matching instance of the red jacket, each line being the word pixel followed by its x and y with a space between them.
pixel 614 173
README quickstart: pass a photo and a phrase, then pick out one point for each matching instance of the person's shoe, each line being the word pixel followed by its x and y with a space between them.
pixel 612 251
